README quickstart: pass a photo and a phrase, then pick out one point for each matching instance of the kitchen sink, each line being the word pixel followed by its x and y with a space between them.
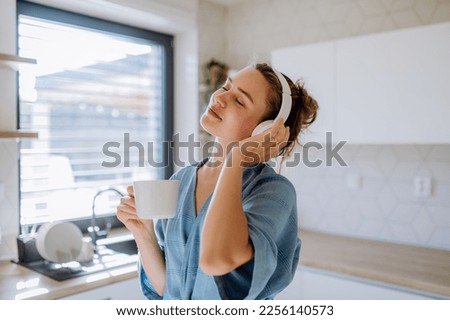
pixel 120 244
pixel 127 247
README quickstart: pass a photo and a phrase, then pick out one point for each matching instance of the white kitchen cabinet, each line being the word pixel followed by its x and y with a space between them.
pixel 394 86
pixel 314 64
pixel 315 284
pixel 123 290
pixel 390 87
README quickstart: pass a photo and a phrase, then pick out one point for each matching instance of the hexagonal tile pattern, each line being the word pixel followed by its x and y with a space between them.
pixel 371 7
pixel 440 238
pixel 425 9
pixel 404 213
pixel 423 226
pixel 315 21
pixel 385 207
pixel 387 200
pixel 387 160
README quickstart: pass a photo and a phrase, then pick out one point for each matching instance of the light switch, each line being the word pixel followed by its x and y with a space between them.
pixel 422 186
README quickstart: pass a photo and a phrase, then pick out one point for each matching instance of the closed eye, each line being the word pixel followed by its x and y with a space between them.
pixel 238 101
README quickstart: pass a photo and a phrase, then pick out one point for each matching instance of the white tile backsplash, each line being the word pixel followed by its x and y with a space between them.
pixel 401 5
pixel 371 7
pixel 384 207
pixel 440 215
pixel 423 225
pixel 387 201
pixel 425 9
pixel 440 238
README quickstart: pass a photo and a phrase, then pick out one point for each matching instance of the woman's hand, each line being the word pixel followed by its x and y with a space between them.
pixel 143 231
pixel 262 147
pixel 126 213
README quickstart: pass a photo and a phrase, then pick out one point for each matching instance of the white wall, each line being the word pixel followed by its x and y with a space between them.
pixel 258 26
pixel 174 17
pixel 9 204
pixel 385 207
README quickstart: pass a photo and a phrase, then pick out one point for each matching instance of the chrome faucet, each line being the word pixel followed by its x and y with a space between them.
pixel 94 231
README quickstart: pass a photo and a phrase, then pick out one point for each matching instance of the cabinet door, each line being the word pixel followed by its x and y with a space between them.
pixel 315 284
pixel 314 64
pixel 123 290
pixel 393 87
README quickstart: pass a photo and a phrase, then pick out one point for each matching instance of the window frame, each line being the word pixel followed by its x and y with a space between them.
pixel 167 112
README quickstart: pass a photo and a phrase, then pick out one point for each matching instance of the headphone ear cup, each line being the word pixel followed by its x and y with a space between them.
pixel 263 126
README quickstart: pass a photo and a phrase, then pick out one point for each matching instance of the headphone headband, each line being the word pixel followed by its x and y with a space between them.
pixel 286 97
pixel 286 104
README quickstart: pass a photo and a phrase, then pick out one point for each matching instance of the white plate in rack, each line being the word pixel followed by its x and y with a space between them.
pixel 59 242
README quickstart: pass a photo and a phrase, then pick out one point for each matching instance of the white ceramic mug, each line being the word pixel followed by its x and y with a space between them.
pixel 156 199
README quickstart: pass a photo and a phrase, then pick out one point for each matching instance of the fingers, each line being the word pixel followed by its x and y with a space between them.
pixel 126 213
pixel 128 201
pixel 266 145
pixel 276 138
pixel 280 133
pixel 130 191
pixel 126 209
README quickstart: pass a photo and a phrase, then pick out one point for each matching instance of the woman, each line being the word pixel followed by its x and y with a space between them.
pixel 235 232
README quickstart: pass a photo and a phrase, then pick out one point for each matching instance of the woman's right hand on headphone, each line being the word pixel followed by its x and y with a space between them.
pixel 265 145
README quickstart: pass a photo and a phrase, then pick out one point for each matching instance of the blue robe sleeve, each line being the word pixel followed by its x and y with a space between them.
pixel 146 287
pixel 271 212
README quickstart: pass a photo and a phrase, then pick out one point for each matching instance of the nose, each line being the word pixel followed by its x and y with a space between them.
pixel 221 99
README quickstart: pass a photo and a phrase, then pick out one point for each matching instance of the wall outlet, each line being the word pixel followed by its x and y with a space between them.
pixel 422 186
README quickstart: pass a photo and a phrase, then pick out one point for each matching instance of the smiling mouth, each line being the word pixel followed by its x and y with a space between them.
pixel 215 115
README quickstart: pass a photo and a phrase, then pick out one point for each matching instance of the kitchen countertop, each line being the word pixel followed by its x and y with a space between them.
pixel 417 268
pixel 422 269
pixel 18 282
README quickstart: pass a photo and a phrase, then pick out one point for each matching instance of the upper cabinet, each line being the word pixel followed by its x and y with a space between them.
pixel 313 64
pixel 388 88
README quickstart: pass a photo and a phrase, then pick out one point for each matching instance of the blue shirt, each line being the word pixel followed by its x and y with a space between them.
pixel 269 203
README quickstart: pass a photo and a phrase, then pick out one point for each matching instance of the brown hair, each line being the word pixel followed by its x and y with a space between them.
pixel 303 111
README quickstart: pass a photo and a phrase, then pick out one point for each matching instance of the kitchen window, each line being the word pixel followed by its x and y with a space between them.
pixel 100 98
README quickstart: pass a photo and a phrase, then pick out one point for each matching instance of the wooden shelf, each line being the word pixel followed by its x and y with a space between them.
pixel 18 134
pixel 13 61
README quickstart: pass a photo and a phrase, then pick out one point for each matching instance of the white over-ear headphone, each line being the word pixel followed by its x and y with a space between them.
pixel 285 110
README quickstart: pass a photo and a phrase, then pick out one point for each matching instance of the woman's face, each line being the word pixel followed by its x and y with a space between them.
pixel 238 107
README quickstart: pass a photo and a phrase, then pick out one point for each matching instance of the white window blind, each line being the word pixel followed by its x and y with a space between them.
pixel 89 88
